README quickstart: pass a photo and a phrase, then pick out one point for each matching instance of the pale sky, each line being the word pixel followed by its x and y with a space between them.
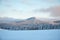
pixel 26 8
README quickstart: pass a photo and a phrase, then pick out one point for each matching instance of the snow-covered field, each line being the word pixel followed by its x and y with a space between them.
pixel 30 35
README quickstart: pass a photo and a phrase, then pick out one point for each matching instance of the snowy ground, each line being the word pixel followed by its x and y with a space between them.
pixel 30 35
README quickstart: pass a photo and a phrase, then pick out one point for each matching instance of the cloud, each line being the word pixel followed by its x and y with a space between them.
pixel 55 11
pixel 24 1
pixel 6 3
pixel 51 0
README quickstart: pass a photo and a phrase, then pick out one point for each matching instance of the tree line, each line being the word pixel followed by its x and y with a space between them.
pixel 29 26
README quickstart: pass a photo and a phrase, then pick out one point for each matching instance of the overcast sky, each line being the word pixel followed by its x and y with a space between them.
pixel 28 8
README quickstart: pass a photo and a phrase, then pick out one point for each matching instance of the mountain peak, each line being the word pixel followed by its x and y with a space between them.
pixel 33 18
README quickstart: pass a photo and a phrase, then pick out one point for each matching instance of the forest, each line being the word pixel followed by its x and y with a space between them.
pixel 29 26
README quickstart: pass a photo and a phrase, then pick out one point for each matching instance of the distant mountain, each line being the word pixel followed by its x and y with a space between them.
pixel 31 20
pixel 25 21
pixel 57 21
pixel 8 20
pixel 41 20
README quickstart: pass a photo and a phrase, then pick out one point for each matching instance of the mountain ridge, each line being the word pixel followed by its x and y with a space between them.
pixel 34 20
pixel 30 24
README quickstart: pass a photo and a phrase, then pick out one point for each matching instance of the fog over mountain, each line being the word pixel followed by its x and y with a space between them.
pixel 31 19
pixel 8 20
pixel 32 23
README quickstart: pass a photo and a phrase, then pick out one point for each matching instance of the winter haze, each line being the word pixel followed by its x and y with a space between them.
pixel 22 9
